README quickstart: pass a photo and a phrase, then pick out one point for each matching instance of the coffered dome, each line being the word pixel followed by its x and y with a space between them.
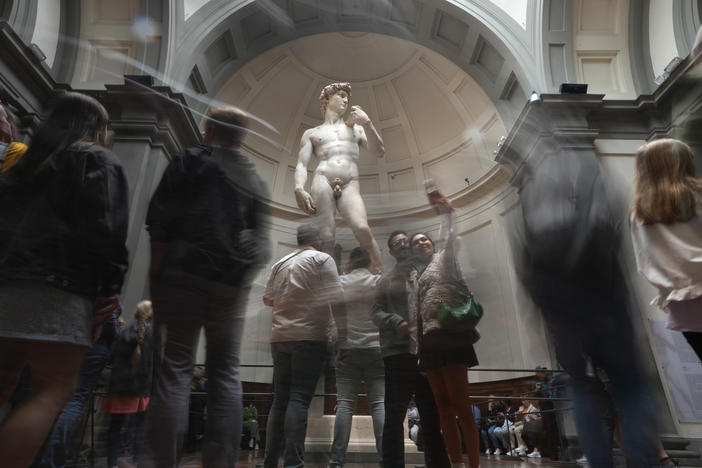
pixel 435 120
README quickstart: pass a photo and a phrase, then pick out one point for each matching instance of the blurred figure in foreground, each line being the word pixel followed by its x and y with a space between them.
pixel 571 269
pixel 666 230
pixel 130 383
pixel 63 229
pixel 206 221
pixel 360 359
pixel 302 288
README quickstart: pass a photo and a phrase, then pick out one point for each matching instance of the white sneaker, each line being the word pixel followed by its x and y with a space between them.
pixel 488 452
pixel 521 450
pixel 498 452
pixel 582 460
pixel 534 454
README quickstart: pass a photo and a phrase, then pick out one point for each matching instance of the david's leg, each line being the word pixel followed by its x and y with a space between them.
pixel 326 212
pixel 353 210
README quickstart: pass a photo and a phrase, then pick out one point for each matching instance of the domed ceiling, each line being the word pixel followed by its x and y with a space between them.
pixel 434 119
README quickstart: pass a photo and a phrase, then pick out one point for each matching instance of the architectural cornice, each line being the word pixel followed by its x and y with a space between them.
pixel 25 82
pixel 157 114
pixel 572 121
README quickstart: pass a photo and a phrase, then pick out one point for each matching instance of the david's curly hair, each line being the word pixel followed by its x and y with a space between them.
pixel 330 90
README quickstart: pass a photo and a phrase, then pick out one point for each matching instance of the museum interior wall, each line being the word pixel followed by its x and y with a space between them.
pixel 447 84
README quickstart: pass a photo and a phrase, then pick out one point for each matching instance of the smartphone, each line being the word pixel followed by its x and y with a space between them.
pixel 432 190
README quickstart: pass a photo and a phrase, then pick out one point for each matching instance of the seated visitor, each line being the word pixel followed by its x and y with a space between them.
pixel 533 430
pixel 487 432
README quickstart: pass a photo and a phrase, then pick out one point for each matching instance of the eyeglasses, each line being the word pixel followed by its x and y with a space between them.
pixel 399 242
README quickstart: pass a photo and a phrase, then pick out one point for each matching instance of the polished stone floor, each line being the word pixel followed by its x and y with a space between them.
pixel 250 459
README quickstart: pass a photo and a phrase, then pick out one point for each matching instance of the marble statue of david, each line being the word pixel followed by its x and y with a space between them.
pixel 336 144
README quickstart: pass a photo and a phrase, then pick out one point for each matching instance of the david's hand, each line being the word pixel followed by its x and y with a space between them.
pixel 402 330
pixel 305 201
pixel 358 116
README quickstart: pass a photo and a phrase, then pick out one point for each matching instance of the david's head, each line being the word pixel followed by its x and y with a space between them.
pixel 335 96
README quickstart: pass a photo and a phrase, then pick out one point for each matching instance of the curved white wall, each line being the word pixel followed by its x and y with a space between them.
pixel 46 30
pixel 661 34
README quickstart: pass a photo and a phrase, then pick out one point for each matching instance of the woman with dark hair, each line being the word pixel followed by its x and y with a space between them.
pixel 445 355
pixel 666 230
pixel 63 227
pixel 130 382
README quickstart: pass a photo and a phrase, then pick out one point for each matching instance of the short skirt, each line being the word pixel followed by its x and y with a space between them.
pixel 36 311
pixel 125 405
pixel 685 315
pixel 441 349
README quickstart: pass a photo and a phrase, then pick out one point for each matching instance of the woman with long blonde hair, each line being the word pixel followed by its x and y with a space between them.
pixel 666 230
pixel 130 382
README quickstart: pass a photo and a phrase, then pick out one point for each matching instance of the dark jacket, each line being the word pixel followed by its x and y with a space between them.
pixel 210 210
pixel 391 308
pixel 124 381
pixel 68 227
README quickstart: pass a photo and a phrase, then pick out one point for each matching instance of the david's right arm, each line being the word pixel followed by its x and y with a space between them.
pixel 304 199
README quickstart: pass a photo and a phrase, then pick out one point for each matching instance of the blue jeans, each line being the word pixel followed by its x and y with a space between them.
pixel 358 364
pixel 297 366
pixel 594 321
pixel 57 446
pixel 488 436
pixel 182 312
pixel 493 437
